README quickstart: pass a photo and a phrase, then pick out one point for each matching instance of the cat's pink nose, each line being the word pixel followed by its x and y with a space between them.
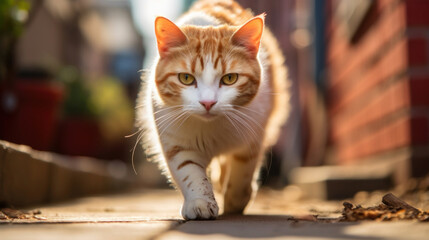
pixel 208 104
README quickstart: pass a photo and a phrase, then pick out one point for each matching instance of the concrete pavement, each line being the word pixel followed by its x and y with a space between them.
pixel 154 214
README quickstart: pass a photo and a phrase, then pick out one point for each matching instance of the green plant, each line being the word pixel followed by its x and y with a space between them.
pixel 113 107
pixel 103 99
pixel 13 16
pixel 77 101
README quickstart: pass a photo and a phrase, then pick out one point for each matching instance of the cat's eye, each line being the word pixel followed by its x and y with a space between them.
pixel 186 78
pixel 229 78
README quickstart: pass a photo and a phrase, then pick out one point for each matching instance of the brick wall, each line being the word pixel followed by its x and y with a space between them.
pixel 378 89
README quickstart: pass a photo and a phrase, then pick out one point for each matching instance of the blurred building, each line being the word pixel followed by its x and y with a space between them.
pixel 98 41
pixel 378 90
pixel 360 91
pixel 97 37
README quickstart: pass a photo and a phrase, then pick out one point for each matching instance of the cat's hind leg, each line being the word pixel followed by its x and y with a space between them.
pixel 242 181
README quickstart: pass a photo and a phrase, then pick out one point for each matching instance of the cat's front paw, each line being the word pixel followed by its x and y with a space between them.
pixel 199 209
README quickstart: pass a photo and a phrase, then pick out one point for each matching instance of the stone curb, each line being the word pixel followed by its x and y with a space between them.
pixel 30 177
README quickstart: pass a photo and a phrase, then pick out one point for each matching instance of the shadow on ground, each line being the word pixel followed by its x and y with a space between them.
pixel 264 227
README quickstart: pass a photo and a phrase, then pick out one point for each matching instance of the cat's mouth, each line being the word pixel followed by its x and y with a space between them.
pixel 207 116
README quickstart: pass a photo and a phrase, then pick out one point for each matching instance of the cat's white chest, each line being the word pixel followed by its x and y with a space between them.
pixel 211 139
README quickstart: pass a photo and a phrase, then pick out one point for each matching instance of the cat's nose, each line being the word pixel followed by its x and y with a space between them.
pixel 208 104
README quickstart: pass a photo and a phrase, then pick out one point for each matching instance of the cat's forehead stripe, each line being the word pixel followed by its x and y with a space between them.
pixel 216 61
pixel 201 62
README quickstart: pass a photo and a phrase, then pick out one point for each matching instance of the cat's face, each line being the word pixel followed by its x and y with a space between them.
pixel 208 70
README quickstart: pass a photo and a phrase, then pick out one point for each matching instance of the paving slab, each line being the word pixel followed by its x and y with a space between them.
pixel 142 206
pixel 154 214
pixel 278 227
pixel 141 215
pixel 83 231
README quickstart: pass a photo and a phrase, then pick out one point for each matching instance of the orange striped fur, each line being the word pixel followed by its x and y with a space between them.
pixel 209 43
pixel 192 112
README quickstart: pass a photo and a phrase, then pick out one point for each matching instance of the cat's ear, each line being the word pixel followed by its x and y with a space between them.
pixel 167 35
pixel 249 34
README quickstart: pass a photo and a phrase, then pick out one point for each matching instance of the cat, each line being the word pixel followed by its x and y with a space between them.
pixel 217 91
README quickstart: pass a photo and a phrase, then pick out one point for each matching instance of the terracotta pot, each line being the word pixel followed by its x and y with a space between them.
pixel 79 137
pixel 29 113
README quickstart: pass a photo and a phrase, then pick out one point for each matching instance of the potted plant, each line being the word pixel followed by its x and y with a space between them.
pixel 29 102
pixel 79 132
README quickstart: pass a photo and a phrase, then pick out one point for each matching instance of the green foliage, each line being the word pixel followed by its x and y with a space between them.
pixel 112 107
pixel 13 14
pixel 77 102
pixel 103 99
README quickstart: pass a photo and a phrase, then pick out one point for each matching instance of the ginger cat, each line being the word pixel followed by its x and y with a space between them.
pixel 217 91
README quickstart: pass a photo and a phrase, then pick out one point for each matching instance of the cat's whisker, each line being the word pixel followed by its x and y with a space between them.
pixel 159 120
pixel 174 120
pixel 167 119
pixel 248 126
pixel 139 138
pixel 232 123
pixel 250 118
pixel 245 135
pixel 238 129
pixel 167 122
pixel 139 106
pixel 241 122
pixel 184 119
pixel 133 134
pixel 168 108
pixel 231 114
pixel 248 109
pixel 246 117
pixel 168 111
pixel 168 116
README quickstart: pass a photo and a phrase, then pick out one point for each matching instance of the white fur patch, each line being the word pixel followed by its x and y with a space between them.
pixel 210 75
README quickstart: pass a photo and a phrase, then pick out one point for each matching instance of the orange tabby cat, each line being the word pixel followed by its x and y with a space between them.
pixel 217 91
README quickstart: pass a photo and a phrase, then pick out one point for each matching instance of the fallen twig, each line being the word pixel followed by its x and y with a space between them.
pixel 395 202
pixel 391 208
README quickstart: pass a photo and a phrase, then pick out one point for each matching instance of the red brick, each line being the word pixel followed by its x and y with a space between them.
pixel 391 64
pixel 391 136
pixel 417 51
pixel 403 132
pixel 391 100
pixel 419 91
pixel 417 12
pixel 352 60
pixel 364 91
